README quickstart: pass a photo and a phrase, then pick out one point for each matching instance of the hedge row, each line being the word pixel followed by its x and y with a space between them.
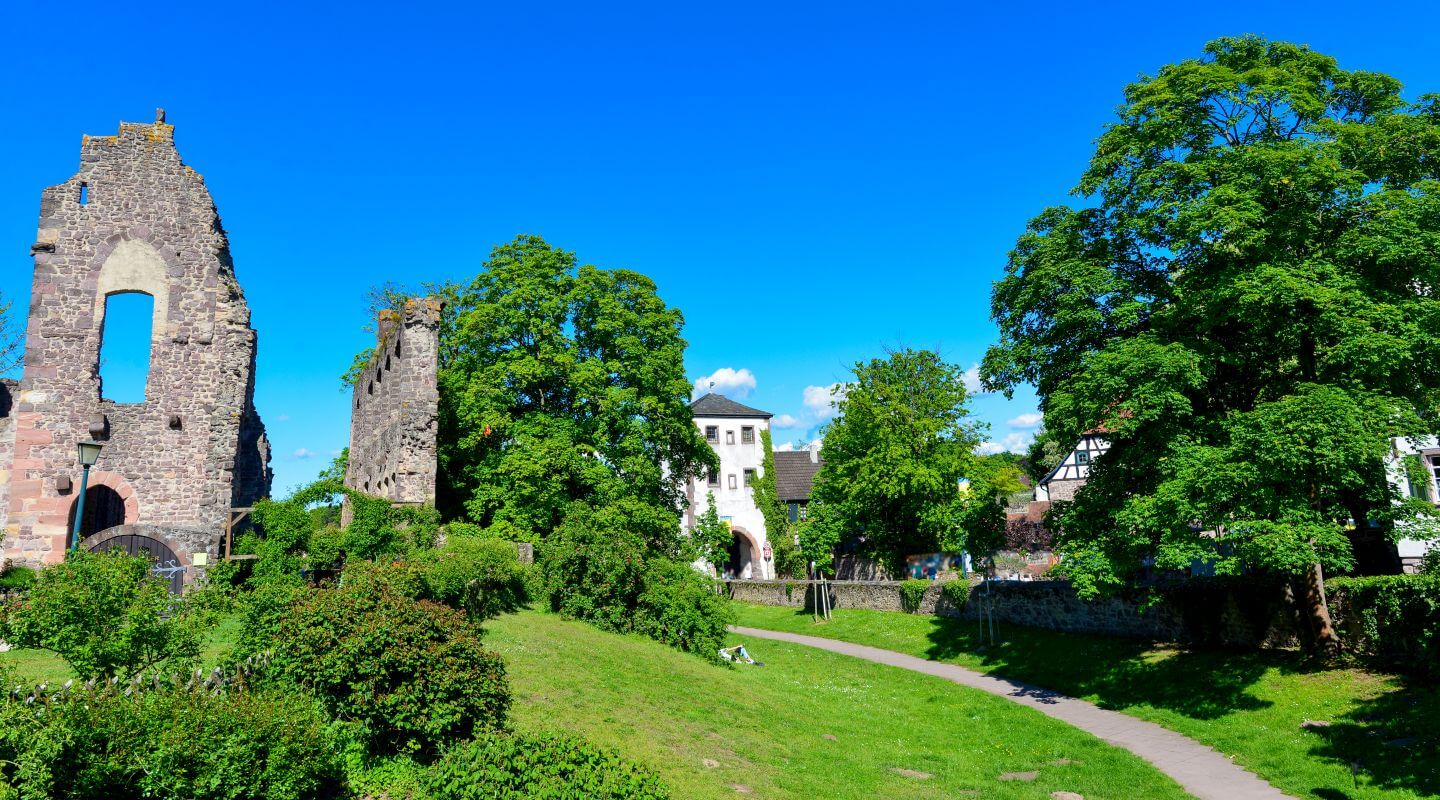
pixel 1395 618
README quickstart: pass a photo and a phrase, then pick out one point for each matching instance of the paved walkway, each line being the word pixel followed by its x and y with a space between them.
pixel 1200 770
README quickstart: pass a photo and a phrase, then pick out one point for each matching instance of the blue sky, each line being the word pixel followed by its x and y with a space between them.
pixel 810 183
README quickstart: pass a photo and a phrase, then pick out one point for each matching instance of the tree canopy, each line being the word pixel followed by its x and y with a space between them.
pixel 1246 304
pixel 900 442
pixel 563 384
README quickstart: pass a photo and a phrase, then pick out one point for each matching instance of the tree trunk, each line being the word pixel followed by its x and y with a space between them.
pixel 1327 641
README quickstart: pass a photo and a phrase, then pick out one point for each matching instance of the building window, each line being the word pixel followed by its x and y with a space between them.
pixel 749 477
pixel 125 339
pixel 712 479
pixel 803 506
pixel 1082 457
pixel 729 437
pixel 747 435
pixel 712 434
pixel 1434 470
pixel 794 509
pixel 732 480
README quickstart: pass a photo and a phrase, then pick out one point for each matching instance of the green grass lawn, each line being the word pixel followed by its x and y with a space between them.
pixel 1247 705
pixel 807 724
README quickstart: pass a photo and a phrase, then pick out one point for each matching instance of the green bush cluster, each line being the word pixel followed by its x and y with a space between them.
pixel 480 576
pixel 1395 618
pixel 171 742
pixel 957 593
pixel 105 614
pixel 597 570
pixel 16 578
pixel 412 674
pixel 539 767
pixel 912 591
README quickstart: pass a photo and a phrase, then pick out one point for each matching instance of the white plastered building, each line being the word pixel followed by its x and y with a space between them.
pixel 733 431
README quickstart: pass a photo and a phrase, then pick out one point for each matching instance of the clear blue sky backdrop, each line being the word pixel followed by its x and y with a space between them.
pixel 810 183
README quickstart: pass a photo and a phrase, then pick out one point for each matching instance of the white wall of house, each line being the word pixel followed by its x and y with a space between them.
pixel 735 500
pixel 1428 449
pixel 1071 474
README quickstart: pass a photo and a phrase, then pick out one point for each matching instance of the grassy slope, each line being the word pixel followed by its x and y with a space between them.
pixel 1247 705
pixel 766 726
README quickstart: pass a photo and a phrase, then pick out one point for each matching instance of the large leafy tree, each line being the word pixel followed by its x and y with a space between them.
pixel 900 443
pixel 564 384
pixel 1247 303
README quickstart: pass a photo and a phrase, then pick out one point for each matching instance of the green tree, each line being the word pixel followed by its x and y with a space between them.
pixel 711 537
pixel 894 455
pixel 560 384
pixel 1247 305
pixel 1044 454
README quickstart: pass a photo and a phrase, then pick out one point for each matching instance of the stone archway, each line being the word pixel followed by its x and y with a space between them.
pixel 746 556
pixel 109 501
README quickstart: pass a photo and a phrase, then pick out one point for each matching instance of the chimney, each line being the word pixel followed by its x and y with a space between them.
pixel 814 448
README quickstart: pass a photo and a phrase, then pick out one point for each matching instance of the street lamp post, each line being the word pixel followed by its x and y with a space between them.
pixel 89 453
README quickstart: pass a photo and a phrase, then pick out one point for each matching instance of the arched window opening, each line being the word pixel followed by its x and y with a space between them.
pixel 125 346
pixel 104 509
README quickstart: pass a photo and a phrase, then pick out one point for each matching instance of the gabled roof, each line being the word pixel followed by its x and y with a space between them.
pixel 718 405
pixel 795 475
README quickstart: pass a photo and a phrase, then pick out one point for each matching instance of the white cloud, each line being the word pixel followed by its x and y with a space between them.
pixel 302 454
pixel 971 377
pixel 734 384
pixel 1027 422
pixel 785 421
pixel 283 418
pixel 786 448
pixel 817 399
pixel 1012 443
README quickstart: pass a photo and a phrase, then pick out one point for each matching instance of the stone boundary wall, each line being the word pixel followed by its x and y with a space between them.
pixel 1231 615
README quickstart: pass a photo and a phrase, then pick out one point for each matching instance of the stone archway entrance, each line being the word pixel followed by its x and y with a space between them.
pixel 744 561
pixel 104 509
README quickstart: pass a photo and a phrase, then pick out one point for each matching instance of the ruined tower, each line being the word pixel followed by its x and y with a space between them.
pixel 134 218
pixel 394 410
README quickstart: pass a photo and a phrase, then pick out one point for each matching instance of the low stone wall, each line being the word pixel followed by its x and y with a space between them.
pixel 1225 613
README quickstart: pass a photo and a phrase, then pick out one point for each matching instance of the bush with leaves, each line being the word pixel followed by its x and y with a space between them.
pixel 912 591
pixel 482 577
pixel 1395 618
pixel 594 570
pixel 166 743
pixel 679 607
pixel 538 766
pixel 14 578
pixel 105 614
pixel 411 673
pixel 597 570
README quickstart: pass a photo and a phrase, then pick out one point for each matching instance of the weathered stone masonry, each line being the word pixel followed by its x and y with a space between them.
pixel 134 218
pixel 395 406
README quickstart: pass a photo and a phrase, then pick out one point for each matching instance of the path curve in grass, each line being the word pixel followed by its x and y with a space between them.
pixel 1200 770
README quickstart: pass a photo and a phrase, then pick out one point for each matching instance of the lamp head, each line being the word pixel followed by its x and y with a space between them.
pixel 89 452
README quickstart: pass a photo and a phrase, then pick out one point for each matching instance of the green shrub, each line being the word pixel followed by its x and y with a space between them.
pixel 912 591
pixel 679 607
pixel 482 577
pixel 16 578
pixel 166 743
pixel 411 673
pixel 540 767
pixel 956 593
pixel 262 610
pixel 401 577
pixel 1395 618
pixel 105 614
pixel 596 569
pixel 594 572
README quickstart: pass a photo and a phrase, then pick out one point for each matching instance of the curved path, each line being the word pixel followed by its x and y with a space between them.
pixel 1200 770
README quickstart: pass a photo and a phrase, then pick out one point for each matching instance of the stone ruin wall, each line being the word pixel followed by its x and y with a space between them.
pixel 395 407
pixel 134 218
